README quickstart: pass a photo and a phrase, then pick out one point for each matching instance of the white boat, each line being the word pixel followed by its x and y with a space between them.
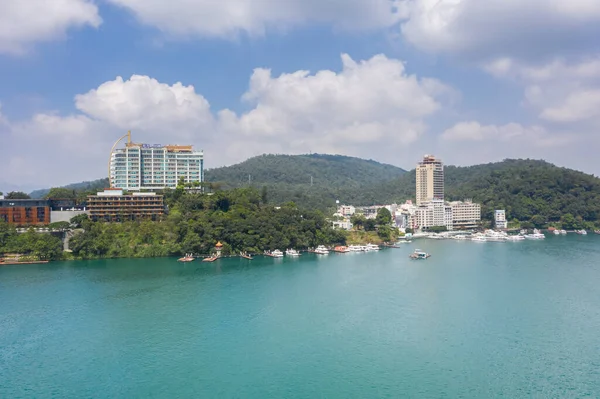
pixel 460 237
pixel 321 250
pixel 515 238
pixel 582 232
pixel 274 254
pixel 372 247
pixel 356 248
pixel 556 232
pixel 479 238
pixel 418 254
pixel 292 252
pixel 536 235
pixel 496 236
pixel 563 232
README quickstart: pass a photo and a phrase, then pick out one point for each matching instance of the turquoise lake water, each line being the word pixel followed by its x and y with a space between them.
pixel 476 320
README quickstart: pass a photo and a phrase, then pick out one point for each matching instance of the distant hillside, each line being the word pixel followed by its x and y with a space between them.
pixel 326 170
pixel 79 187
pixel 527 189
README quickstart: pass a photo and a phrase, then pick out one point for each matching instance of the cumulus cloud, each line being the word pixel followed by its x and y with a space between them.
pixel 511 132
pixel 228 18
pixel 368 103
pixel 25 22
pixel 370 106
pixel 491 29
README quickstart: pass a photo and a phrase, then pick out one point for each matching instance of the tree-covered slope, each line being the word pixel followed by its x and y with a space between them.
pixel 527 189
pixel 86 186
pixel 326 171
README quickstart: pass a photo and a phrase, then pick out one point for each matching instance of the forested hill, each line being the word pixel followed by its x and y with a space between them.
pixel 83 187
pixel 326 170
pixel 529 190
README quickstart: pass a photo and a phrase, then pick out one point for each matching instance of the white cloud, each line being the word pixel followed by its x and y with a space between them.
pixel 144 103
pixel 492 29
pixel 228 18
pixel 513 133
pixel 369 104
pixel 368 107
pixel 25 22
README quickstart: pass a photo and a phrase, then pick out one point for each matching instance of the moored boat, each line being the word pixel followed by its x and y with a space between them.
pixel 536 235
pixel 356 248
pixel 596 231
pixel 245 255
pixel 372 247
pixel 211 258
pixel 418 254
pixel 292 252
pixel 342 249
pixel 563 232
pixel 274 254
pixel 582 232
pixel 321 250
pixel 186 258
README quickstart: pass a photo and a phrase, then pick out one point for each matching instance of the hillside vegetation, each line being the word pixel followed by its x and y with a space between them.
pixel 78 189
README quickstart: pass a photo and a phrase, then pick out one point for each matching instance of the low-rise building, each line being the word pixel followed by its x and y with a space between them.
pixel 25 212
pixel 500 219
pixel 342 224
pixel 465 214
pixel 114 206
pixel 346 210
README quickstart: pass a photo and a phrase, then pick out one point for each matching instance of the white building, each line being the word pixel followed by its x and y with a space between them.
pixel 342 224
pixel 430 180
pixel 465 214
pixel 433 214
pixel 500 219
pixel 154 166
pixel 346 210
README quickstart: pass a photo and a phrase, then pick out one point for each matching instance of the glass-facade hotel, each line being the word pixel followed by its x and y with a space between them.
pixel 154 166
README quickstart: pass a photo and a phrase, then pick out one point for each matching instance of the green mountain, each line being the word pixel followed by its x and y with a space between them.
pixel 529 190
pixel 288 178
pixel 325 170
pixel 85 186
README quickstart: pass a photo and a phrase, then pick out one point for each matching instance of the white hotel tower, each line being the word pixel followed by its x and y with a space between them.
pixel 153 166
pixel 430 180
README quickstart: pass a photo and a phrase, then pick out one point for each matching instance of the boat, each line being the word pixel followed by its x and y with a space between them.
pixel 246 256
pixel 341 249
pixel 596 231
pixel 515 238
pixel 211 258
pixel 372 247
pixel 186 258
pixel 497 236
pixel 274 254
pixel 563 232
pixel 556 232
pixel 582 232
pixel 418 254
pixel 479 238
pixel 292 252
pixel 536 235
pixel 356 248
pixel 321 250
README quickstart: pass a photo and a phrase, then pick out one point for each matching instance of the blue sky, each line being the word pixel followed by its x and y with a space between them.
pixel 468 80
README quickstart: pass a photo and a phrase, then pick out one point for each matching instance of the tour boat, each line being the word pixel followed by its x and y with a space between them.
pixel 186 258
pixel 292 252
pixel 479 238
pixel 515 238
pixel 321 250
pixel 418 254
pixel 342 249
pixel 582 232
pixel 245 256
pixel 372 247
pixel 556 232
pixel 274 254
pixel 536 235
pixel 211 258
pixel 563 232
pixel 597 231
pixel 356 248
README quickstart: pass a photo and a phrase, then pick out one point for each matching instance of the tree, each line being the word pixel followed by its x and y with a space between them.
pixel 17 195
pixel 384 217
pixel 264 195
pixel 79 221
pixel 61 192
pixel 61 226
pixel 358 220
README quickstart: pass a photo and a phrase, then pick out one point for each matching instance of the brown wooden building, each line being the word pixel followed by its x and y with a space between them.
pixel 25 212
pixel 114 206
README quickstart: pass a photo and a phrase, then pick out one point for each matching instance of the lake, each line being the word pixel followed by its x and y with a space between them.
pixel 476 320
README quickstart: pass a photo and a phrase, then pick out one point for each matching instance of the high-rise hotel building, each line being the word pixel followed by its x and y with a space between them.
pixel 154 166
pixel 430 180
